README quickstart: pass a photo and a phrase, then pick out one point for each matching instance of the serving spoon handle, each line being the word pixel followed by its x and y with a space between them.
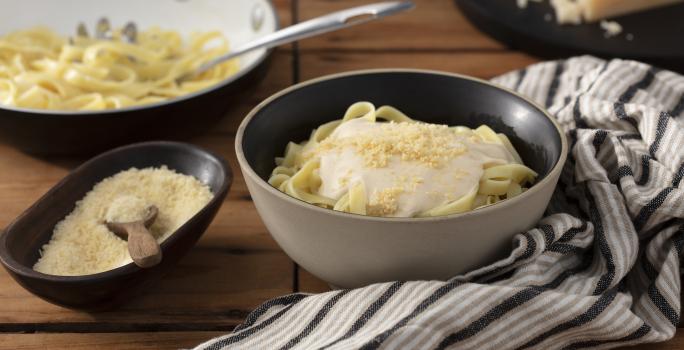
pixel 319 25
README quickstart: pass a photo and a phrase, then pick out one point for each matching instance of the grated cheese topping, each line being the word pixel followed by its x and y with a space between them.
pixel 405 168
pixel 384 202
pixel 420 142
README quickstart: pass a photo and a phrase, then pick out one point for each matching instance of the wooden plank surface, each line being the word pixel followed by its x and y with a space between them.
pixel 434 25
pixel 279 77
pixel 237 265
pixel 481 64
pixel 213 288
pixel 104 341
pixel 166 341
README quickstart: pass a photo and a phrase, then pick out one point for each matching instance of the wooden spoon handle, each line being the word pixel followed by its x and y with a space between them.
pixel 143 247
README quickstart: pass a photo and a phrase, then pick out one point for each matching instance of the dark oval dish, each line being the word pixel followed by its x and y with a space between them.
pixel 21 241
pixel 656 33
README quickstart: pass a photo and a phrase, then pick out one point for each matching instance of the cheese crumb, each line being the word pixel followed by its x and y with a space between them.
pixel 611 28
pixel 523 3
pixel 567 11
pixel 575 12
pixel 384 202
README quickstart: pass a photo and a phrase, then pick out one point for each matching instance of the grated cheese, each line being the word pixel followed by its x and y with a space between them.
pixel 384 202
pixel 127 208
pixel 81 244
pixel 420 142
pixel 567 11
pixel 611 28
pixel 578 11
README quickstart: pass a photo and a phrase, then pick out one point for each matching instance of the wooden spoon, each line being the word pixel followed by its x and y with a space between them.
pixel 142 246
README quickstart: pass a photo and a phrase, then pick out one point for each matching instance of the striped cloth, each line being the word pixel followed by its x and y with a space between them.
pixel 601 270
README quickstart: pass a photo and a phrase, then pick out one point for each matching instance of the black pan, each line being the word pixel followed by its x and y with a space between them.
pixel 657 34
pixel 81 132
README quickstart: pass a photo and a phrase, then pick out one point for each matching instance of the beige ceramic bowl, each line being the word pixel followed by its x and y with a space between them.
pixel 350 250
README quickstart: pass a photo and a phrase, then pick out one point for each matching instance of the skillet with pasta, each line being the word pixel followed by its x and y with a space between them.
pixel 43 70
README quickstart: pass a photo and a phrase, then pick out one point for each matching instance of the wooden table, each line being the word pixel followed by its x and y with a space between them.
pixel 237 265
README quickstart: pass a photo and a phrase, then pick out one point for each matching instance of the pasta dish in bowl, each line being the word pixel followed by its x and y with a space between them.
pixel 383 163
pixel 435 181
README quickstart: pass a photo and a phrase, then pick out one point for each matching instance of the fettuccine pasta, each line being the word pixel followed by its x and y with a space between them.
pixel 380 162
pixel 41 69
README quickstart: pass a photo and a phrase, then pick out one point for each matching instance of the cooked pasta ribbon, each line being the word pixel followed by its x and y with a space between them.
pixel 43 70
pixel 380 162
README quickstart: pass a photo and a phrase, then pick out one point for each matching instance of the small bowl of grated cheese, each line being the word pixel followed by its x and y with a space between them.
pixel 61 249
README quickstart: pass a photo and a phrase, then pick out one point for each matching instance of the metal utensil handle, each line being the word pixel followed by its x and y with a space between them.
pixel 319 25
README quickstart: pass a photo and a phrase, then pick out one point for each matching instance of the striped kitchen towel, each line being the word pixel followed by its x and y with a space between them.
pixel 601 270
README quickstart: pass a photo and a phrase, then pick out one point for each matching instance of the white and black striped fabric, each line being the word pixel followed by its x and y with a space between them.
pixel 601 270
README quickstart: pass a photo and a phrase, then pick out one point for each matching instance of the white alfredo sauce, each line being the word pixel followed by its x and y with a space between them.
pixel 402 187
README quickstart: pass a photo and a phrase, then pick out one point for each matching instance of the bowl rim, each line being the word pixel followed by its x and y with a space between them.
pixel 249 172
pixel 241 73
pixel 14 266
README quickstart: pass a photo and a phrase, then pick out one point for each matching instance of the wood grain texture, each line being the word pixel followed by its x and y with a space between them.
pixel 309 283
pixel 479 64
pixel 213 288
pixel 434 25
pixel 279 76
pixel 104 341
